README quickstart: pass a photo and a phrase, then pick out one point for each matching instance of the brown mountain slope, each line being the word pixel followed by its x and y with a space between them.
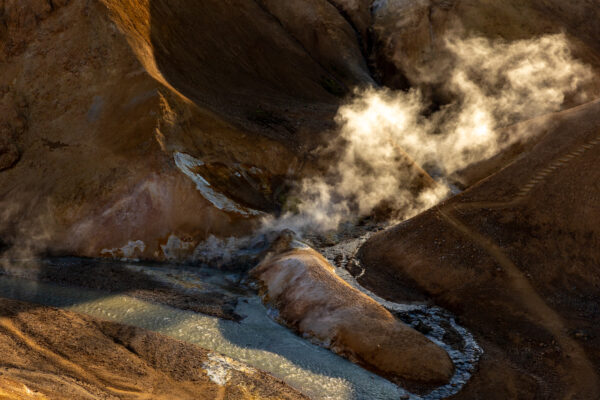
pixel 98 96
pixel 516 257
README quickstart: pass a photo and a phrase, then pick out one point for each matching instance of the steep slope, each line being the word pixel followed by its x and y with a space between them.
pixel 99 98
pixel 516 258
pixel 126 123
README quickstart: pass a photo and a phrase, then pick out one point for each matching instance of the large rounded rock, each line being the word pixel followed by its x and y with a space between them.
pixel 314 301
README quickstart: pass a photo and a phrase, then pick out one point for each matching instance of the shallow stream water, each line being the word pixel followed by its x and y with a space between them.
pixel 257 339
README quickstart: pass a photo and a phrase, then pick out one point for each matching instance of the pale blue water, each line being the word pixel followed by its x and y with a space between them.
pixel 257 340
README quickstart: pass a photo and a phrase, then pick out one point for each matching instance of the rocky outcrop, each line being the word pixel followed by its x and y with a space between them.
pixel 314 301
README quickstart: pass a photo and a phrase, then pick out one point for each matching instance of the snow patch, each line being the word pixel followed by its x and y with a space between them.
pixel 187 164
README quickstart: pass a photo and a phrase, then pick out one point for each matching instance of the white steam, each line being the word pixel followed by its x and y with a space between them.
pixel 386 140
pixel 492 84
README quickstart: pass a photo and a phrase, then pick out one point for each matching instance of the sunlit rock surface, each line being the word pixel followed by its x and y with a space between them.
pixel 143 129
pixel 98 97
pixel 309 297
pixel 50 353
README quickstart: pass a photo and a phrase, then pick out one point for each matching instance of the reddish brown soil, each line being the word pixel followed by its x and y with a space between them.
pixel 96 96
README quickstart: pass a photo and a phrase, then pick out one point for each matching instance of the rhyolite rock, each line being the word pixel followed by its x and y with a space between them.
pixel 314 301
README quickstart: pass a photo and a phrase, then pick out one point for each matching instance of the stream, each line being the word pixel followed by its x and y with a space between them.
pixel 256 339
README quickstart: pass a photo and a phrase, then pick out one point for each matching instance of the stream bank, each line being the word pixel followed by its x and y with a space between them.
pixel 218 311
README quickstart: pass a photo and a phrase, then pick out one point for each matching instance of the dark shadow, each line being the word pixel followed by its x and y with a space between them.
pixel 235 58
pixel 97 279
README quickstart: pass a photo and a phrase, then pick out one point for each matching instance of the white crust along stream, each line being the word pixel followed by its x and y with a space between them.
pixel 126 252
pixel 218 368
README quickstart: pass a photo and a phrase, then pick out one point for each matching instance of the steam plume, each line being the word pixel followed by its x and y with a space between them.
pixel 493 84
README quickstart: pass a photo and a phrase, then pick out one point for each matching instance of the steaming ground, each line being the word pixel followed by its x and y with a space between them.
pixel 391 143
pixel 389 139
pixel 384 133
pixel 153 134
pixel 392 157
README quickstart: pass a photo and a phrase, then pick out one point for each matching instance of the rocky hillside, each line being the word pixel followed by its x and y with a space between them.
pixel 125 123
pixel 54 354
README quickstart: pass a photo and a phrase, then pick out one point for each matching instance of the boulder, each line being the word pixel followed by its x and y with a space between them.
pixel 314 301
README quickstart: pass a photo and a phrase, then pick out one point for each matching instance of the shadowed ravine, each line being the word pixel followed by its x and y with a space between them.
pixel 256 339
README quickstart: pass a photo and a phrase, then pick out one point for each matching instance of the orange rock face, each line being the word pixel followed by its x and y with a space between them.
pixel 314 301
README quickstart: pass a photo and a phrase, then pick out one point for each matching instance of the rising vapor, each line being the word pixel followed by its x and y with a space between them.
pixel 386 135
